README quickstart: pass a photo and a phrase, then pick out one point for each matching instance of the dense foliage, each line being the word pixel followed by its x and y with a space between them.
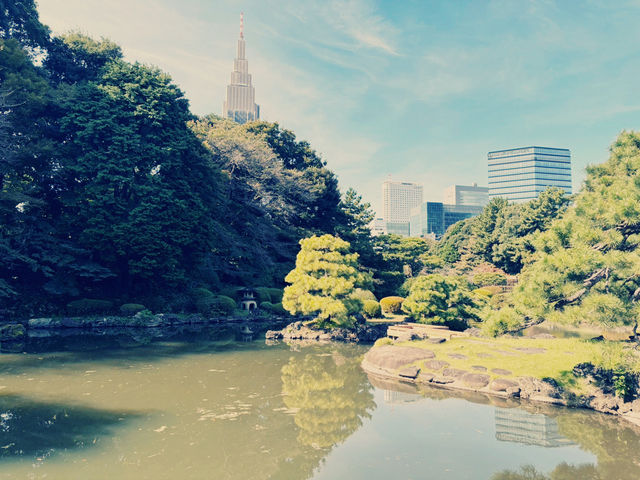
pixel 437 299
pixel 323 282
pixel 111 189
pixel 587 264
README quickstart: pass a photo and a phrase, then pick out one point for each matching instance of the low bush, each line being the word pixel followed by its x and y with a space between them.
pixel 131 308
pixel 489 278
pixel 498 322
pixel 266 306
pixel 263 295
pixel 278 309
pixel 222 305
pixel 383 341
pixel 392 304
pixel 231 292
pixel 88 306
pixel 371 309
pixel 276 294
pixel 362 294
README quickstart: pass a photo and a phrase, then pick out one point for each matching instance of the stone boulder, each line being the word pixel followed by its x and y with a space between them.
pixel 502 385
pixel 12 332
pixel 476 380
pixel 409 372
pixel 390 357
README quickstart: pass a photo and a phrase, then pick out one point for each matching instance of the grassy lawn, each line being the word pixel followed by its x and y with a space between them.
pixel 538 358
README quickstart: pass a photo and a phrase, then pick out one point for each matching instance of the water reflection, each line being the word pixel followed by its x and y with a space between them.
pixel 329 396
pixel 519 426
pixel 38 429
pixel 614 442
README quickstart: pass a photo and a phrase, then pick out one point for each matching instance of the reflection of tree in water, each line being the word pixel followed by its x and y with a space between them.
pixel 561 472
pixel 331 395
pixel 615 443
pixel 37 429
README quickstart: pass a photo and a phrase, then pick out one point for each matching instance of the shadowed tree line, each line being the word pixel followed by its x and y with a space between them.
pixel 111 188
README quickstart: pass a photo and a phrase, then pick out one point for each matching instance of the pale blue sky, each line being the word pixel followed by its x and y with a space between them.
pixel 419 90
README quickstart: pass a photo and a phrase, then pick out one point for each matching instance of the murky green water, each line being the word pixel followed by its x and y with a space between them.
pixel 207 405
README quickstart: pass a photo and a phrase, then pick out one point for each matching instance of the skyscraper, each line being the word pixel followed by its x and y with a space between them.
pixel 467 195
pixel 240 104
pixel 520 174
pixel 398 198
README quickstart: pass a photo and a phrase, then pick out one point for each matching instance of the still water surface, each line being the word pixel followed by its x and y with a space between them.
pixel 209 404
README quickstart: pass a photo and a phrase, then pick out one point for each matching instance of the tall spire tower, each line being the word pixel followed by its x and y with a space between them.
pixel 240 104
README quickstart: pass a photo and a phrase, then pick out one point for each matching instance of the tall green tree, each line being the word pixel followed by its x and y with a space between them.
pixel 587 264
pixel 323 280
pixel 441 300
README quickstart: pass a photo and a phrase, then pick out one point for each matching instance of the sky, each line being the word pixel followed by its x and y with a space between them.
pixel 411 90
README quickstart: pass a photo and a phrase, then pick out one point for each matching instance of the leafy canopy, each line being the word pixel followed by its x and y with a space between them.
pixel 323 282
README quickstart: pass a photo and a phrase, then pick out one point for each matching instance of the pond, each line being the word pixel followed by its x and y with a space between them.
pixel 215 404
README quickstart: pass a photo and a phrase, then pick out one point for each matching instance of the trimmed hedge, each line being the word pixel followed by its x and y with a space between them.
pixel 487 279
pixel 391 304
pixel 223 305
pixel 371 309
pixel 88 306
pixel 131 308
pixel 362 294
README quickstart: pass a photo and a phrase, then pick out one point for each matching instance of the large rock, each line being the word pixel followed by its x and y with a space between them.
pixel 12 332
pixel 502 385
pixel 390 357
pixel 409 372
pixel 73 322
pixel 476 380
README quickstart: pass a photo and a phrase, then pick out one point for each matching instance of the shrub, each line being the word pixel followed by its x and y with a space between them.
pixel 371 309
pixel 276 294
pixel 489 278
pixel 203 299
pixel 391 304
pixel 222 305
pixel 263 295
pixel 131 308
pixel 383 341
pixel 362 294
pixel 441 300
pixel 88 306
pixel 498 322
pixel 266 306
pixel 278 309
pixel 406 286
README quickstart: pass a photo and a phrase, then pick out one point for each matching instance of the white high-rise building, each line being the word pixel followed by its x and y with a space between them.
pixel 240 104
pixel 398 198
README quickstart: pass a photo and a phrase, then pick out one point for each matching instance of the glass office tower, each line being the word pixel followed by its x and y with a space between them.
pixel 520 174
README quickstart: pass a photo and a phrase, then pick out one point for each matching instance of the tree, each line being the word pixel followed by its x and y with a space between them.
pixel 323 280
pixel 354 227
pixel 587 264
pixel 19 20
pixel 441 300
pixel 136 187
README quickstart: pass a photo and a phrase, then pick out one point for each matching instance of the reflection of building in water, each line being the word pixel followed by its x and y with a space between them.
pixel 518 426
pixel 392 397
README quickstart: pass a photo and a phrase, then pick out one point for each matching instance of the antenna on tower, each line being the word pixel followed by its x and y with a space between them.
pixel 241 24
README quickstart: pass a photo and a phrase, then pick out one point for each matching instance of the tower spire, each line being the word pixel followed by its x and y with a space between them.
pixel 241 24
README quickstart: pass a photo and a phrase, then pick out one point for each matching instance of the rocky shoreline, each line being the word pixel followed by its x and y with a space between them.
pixel 300 330
pixel 398 363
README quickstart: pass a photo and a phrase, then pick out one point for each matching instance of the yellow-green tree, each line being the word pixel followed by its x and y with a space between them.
pixel 325 276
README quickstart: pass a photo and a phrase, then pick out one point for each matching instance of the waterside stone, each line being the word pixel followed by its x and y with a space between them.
pixel 390 357
pixel 12 332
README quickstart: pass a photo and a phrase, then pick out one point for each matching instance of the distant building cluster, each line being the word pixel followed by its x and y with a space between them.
pixel 405 213
pixel 518 174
